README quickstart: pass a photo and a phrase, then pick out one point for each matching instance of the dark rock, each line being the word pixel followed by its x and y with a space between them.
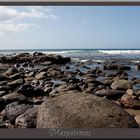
pixel 54 72
pixel 111 67
pixel 3 83
pixel 15 76
pixel 116 67
pixel 30 91
pixel 111 75
pixel 64 88
pixel 25 64
pixel 11 71
pixel 41 75
pixel 13 110
pixel 44 69
pixel 5 88
pixel 55 59
pixel 89 90
pixel 15 83
pixel 122 67
pixel 107 82
pixel 90 76
pixel 28 119
pixel 2 104
pixel 93 70
pixel 3 92
pixel 138 93
pixel 38 54
pixel 47 90
pixel 30 74
pixel 3 78
pixel 99 71
pixel 17 66
pixel 138 67
pixel 119 72
pixel 30 65
pixel 72 80
pixel 121 84
pixel 94 81
pixel 81 110
pixel 5 124
pixel 12 97
pixel 110 93
pixel 67 67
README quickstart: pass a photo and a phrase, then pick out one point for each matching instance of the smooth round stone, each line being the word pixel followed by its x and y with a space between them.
pixel 82 110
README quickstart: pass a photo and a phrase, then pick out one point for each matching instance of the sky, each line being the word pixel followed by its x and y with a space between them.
pixel 69 27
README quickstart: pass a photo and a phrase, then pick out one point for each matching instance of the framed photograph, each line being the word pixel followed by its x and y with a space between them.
pixel 69 69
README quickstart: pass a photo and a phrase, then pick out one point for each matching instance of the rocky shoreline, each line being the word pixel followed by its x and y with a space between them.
pixel 50 91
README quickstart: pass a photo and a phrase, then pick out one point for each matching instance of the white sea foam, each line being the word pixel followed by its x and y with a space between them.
pixel 135 61
pixel 84 60
pixel 120 51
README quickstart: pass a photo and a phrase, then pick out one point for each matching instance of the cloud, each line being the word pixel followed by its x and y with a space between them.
pixel 9 17
pixel 14 27
pixel 10 13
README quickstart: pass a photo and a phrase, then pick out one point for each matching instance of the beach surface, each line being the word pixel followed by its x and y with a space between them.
pixel 55 90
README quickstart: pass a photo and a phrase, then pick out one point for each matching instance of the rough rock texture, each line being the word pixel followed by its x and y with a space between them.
pixel 114 93
pixel 130 101
pixel 28 119
pixel 81 110
pixel 14 97
pixel 15 109
pixel 121 84
pixel 41 75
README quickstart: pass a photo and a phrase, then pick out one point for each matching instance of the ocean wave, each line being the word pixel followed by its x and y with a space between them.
pixel 63 52
pixel 120 51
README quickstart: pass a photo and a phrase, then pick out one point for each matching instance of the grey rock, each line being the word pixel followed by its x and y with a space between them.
pixel 112 93
pixel 30 91
pixel 82 110
pixel 130 101
pixel 41 75
pixel 15 76
pixel 11 71
pixel 12 97
pixel 2 104
pixel 121 84
pixel 13 110
pixel 3 83
pixel 3 92
pixel 28 119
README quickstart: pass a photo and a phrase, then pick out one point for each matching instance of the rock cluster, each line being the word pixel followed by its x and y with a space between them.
pixel 51 91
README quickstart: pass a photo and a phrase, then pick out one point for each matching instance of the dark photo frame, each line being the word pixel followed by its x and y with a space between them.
pixel 95 133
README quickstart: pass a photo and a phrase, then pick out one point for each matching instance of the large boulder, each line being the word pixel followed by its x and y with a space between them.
pixel 121 84
pixel 81 110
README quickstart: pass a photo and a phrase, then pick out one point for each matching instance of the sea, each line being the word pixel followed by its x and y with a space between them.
pixel 129 57
pixel 86 54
